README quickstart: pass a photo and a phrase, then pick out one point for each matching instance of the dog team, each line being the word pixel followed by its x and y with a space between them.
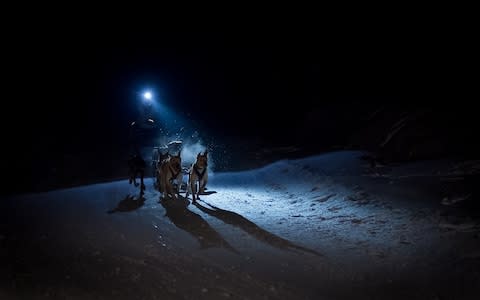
pixel 169 174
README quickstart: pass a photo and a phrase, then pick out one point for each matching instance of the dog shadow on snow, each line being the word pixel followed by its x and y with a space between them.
pixel 251 228
pixel 129 203
pixel 194 224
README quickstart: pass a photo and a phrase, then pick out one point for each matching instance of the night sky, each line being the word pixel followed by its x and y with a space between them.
pixel 221 75
pixel 78 92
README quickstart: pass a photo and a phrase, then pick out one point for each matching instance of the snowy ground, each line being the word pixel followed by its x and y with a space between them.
pixel 323 227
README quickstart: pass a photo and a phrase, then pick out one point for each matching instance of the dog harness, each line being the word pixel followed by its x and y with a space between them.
pixel 200 175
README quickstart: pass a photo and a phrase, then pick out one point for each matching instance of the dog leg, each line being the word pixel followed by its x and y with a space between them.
pixel 162 187
pixel 202 185
pixel 199 188
pixel 193 187
pixel 158 181
pixel 142 185
pixel 187 190
pixel 130 176
pixel 179 183
pixel 170 190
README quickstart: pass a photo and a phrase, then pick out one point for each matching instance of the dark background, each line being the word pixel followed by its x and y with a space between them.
pixel 71 97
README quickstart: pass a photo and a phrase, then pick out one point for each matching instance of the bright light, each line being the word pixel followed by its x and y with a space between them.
pixel 147 95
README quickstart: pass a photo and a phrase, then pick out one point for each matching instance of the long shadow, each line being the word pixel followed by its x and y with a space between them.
pixel 129 203
pixel 208 193
pixel 183 218
pixel 251 228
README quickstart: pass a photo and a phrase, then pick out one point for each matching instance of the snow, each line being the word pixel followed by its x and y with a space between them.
pixel 321 227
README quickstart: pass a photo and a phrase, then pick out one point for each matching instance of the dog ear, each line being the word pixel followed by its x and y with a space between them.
pixel 205 153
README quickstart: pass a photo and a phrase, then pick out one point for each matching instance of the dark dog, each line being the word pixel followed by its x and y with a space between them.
pixel 161 157
pixel 136 168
